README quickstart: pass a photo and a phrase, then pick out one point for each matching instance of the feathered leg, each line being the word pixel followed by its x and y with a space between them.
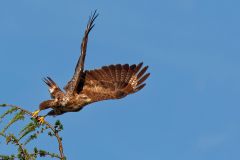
pixel 55 113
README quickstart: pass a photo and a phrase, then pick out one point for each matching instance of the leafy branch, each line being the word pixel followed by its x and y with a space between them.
pixel 28 133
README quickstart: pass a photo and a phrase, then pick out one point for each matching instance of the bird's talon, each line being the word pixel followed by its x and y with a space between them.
pixel 41 120
pixel 35 113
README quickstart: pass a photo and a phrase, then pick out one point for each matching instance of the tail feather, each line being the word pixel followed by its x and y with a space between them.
pixel 54 90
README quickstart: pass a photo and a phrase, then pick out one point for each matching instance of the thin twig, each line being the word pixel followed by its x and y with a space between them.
pixel 14 140
pixel 60 146
pixel 47 154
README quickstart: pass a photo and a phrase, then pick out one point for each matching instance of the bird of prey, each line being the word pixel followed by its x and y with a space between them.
pixel 89 86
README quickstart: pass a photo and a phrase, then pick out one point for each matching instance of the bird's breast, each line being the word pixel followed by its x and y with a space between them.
pixel 74 103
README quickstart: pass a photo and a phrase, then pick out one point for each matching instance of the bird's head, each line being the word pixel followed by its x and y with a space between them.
pixel 46 104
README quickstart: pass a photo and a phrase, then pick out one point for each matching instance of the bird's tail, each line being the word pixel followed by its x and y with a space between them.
pixel 53 88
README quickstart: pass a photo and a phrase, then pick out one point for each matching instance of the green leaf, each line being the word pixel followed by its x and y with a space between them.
pixel 27 129
pixel 17 117
pixel 11 110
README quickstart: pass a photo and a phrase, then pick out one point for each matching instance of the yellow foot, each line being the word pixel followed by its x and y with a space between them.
pixel 41 120
pixel 35 114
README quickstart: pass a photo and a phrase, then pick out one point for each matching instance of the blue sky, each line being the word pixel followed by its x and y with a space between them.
pixel 190 106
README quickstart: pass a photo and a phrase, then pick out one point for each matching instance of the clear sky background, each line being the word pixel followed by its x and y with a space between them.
pixel 189 109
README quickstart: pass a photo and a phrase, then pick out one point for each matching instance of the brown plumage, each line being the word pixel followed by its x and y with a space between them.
pixel 89 86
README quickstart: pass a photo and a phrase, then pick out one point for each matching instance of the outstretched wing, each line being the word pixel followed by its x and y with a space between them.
pixel 114 81
pixel 73 83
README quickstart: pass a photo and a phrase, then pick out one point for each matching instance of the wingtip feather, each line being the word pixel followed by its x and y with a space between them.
pixel 140 87
pixel 143 78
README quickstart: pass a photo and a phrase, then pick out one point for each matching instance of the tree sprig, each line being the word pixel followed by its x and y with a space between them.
pixel 28 133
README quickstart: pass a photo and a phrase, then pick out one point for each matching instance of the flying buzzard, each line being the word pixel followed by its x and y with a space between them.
pixel 89 86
